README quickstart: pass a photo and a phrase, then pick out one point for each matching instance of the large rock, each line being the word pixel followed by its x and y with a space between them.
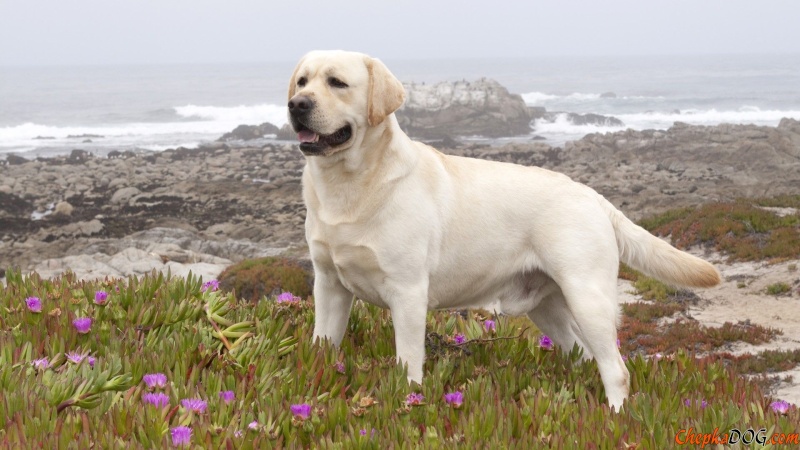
pixel 449 109
pixel 250 132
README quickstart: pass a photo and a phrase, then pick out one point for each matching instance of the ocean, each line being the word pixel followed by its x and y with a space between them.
pixel 53 110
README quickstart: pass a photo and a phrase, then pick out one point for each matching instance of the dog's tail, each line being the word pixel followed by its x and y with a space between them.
pixel 656 258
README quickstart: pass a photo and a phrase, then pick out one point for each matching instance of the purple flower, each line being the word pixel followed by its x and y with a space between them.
pixel 454 398
pixel 363 432
pixel 101 297
pixel 253 425
pixel 34 304
pixel 155 380
pixel 41 364
pixel 415 399
pixel 157 399
pixel 545 342
pixel 76 358
pixel 339 367
pixel 489 325
pixel 287 297
pixel 302 410
pixel 195 404
pixel 82 324
pixel 238 433
pixel 780 406
pixel 703 403
pixel 210 285
pixel 181 436
pixel 227 396
pixel 459 339
pixel 618 343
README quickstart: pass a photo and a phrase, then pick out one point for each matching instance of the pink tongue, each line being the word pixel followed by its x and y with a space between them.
pixel 307 136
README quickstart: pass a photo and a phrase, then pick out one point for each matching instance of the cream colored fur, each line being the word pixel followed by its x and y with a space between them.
pixel 402 226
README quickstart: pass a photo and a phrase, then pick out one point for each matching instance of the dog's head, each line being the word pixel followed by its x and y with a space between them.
pixel 335 97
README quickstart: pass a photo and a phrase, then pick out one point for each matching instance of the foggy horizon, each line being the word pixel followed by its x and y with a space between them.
pixel 96 33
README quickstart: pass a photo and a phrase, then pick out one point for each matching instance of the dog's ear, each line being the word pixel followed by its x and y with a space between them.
pixel 386 92
pixel 293 79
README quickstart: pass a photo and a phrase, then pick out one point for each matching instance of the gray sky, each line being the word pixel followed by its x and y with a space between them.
pixel 178 31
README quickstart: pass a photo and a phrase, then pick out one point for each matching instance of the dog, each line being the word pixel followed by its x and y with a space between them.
pixel 400 225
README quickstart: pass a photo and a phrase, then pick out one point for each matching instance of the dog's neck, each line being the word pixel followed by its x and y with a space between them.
pixel 353 180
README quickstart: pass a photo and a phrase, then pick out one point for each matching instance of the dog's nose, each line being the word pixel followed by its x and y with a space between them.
pixel 300 104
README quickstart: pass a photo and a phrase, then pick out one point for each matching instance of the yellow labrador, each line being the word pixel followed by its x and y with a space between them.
pixel 405 227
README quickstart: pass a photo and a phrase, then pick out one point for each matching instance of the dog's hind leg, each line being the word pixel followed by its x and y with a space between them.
pixel 594 309
pixel 553 318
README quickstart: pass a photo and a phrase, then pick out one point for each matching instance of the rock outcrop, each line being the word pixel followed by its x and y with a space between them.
pixel 250 132
pixel 463 108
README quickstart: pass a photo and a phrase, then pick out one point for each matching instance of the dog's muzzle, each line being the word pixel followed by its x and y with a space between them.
pixel 311 142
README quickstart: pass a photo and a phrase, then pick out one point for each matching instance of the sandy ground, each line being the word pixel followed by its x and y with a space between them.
pixel 742 297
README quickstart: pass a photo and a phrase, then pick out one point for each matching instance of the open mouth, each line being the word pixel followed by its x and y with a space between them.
pixel 313 143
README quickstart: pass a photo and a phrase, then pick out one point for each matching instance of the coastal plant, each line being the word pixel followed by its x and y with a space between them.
pixel 743 229
pixel 254 279
pixel 779 288
pixel 177 365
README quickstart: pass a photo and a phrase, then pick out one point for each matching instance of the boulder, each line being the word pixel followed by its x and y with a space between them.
pixel 78 157
pixel 14 160
pixel 63 209
pixel 594 119
pixel 249 132
pixel 462 108
pixel 85 267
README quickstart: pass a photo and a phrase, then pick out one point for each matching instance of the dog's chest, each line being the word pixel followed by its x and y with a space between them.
pixel 358 270
pixel 342 249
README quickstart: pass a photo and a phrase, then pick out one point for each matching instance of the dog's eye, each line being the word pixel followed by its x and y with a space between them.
pixel 337 83
pixel 301 81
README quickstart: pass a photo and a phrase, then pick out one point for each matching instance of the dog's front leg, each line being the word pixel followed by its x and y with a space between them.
pixel 409 335
pixel 332 303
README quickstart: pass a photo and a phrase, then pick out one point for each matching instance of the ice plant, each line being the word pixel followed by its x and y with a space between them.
pixel 302 410
pixel 41 364
pixel 194 404
pixel 34 304
pixel 459 339
pixel 157 399
pixel 489 325
pixel 82 324
pixel 287 297
pixel 454 398
pixel 181 436
pixel 414 398
pixel 101 297
pixel 780 406
pixel 76 358
pixel 155 380
pixel 227 396
pixel 210 285
pixel 545 342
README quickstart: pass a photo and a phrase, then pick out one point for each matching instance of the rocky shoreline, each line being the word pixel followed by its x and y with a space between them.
pixel 201 209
